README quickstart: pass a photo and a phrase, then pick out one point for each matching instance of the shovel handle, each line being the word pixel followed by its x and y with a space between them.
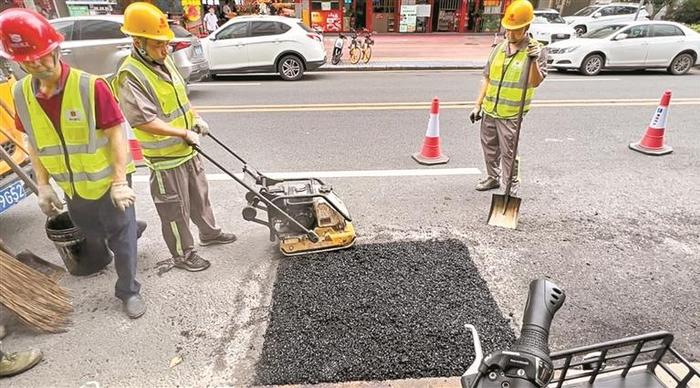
pixel 521 111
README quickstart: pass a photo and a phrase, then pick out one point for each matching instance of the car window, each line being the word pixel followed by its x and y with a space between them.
pixel 603 32
pixel 65 28
pixel 587 11
pixel 283 27
pixel 661 30
pixel 547 18
pixel 630 10
pixel 99 29
pixel 607 11
pixel 637 32
pixel 179 31
pixel 236 30
pixel 264 28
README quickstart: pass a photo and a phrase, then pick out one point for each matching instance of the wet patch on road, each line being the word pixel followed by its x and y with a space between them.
pixel 378 312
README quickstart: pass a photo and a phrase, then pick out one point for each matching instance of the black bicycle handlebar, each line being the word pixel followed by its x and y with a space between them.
pixel 543 301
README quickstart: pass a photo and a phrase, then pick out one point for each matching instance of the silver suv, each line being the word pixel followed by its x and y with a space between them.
pixel 96 45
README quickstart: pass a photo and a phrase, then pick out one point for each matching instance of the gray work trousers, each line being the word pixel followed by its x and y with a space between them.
pixel 102 223
pixel 181 194
pixel 497 142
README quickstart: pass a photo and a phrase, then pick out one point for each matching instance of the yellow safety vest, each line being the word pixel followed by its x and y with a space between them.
pixel 77 157
pixel 506 83
pixel 173 108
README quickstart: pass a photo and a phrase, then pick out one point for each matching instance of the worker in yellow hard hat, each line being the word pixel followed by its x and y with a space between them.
pixel 501 92
pixel 153 97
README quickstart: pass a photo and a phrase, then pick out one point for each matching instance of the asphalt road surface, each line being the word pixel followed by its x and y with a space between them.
pixel 617 230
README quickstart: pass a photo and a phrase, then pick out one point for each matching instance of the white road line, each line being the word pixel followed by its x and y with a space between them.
pixel 226 84
pixel 581 79
pixel 346 174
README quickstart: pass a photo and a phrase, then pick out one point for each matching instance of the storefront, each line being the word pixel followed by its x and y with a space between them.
pixel 407 16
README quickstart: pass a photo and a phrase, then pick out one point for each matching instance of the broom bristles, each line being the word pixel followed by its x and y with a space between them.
pixel 35 298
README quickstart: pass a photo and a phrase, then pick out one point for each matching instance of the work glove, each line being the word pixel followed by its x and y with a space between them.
pixel 534 48
pixel 192 138
pixel 122 195
pixel 201 126
pixel 475 114
pixel 48 201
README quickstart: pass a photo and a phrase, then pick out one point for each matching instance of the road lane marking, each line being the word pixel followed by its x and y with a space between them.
pixel 345 174
pixel 226 84
pixel 580 79
pixel 369 106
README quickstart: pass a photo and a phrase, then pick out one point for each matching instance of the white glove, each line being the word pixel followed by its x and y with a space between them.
pixel 534 49
pixel 122 195
pixel 48 200
pixel 201 126
pixel 192 138
pixel 475 114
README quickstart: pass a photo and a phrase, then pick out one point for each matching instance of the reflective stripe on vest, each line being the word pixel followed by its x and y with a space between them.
pixel 173 107
pixel 506 83
pixel 78 158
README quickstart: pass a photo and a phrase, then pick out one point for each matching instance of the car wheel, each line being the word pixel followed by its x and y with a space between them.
pixel 580 30
pixel 681 64
pixel 290 68
pixel 592 64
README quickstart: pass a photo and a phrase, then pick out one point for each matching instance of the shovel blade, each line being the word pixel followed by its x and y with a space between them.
pixel 505 211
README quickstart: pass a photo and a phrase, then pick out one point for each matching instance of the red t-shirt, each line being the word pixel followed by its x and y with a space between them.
pixel 107 112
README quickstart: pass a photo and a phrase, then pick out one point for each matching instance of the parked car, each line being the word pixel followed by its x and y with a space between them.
pixel 549 27
pixel 633 45
pixel 264 44
pixel 597 16
pixel 96 44
pixel 12 188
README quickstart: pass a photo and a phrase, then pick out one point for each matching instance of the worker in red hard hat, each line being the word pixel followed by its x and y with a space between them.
pixel 77 136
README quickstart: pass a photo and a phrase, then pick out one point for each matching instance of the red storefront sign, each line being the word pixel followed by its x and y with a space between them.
pixel 328 21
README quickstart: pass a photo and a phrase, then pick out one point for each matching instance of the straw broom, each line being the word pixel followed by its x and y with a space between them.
pixel 37 299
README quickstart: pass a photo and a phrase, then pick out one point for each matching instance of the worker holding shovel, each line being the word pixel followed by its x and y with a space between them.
pixel 500 95
pixel 77 137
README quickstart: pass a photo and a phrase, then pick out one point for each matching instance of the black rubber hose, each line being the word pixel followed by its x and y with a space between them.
pixel 543 301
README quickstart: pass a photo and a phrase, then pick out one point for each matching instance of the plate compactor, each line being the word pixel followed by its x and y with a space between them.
pixel 304 214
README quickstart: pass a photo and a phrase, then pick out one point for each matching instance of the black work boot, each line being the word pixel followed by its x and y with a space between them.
pixel 193 263
pixel 140 227
pixel 222 238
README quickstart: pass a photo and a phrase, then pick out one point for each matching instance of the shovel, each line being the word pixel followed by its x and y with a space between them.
pixel 505 208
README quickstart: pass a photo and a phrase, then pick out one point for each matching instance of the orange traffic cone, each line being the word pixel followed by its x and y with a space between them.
pixel 653 141
pixel 134 148
pixel 430 152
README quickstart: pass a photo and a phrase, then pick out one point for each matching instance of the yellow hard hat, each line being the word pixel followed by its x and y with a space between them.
pixel 518 15
pixel 147 21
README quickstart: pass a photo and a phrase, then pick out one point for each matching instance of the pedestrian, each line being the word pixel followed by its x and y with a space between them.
pixel 77 136
pixel 226 10
pixel 153 97
pixel 211 22
pixel 501 92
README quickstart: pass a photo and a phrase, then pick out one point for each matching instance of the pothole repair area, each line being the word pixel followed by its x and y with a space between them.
pixel 378 312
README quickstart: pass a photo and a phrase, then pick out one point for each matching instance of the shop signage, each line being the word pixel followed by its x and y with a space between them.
pixel 423 10
pixel 408 18
pixel 328 21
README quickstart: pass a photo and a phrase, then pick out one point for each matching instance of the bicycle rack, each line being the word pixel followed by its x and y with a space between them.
pixel 637 359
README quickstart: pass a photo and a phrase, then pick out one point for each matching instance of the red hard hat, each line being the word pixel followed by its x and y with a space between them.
pixel 26 35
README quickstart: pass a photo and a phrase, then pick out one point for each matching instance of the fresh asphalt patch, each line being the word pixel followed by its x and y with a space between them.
pixel 378 312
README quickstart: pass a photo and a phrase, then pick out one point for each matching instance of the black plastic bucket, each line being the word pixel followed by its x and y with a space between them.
pixel 80 255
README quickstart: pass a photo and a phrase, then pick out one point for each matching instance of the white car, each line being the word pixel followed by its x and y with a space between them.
pixel 264 44
pixel 597 16
pixel 633 45
pixel 549 27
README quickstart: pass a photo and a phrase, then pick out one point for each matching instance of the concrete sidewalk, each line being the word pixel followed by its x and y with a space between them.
pixel 417 52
